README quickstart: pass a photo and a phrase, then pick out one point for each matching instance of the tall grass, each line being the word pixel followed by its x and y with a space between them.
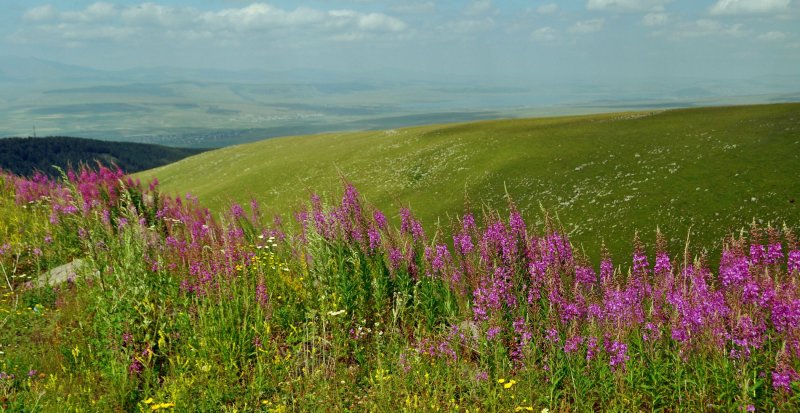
pixel 336 310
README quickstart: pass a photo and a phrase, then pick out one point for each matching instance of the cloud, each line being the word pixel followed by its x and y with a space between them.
pixel 544 35
pixel 587 26
pixel 772 36
pixel 655 19
pixel 408 7
pixel 469 26
pixel 106 22
pixel 478 8
pixel 748 6
pixel 547 8
pixel 626 5
pixel 40 14
pixel 708 27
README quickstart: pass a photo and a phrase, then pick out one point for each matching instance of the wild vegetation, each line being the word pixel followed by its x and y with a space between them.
pixel 607 176
pixel 27 156
pixel 336 309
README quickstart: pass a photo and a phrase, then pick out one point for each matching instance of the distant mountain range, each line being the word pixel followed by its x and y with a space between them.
pixel 26 156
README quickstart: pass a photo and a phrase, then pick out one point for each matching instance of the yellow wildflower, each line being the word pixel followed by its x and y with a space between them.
pixel 510 384
pixel 160 406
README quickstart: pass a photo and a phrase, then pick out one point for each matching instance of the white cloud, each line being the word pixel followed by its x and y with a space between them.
pixel 626 5
pixel 587 26
pixel 772 36
pixel 478 8
pixel 469 26
pixel 40 13
pixel 408 7
pixel 708 27
pixel 547 8
pixel 544 34
pixel 749 6
pixel 655 19
pixel 95 12
pixel 105 22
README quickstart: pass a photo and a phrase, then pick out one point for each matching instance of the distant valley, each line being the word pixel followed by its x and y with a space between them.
pixel 215 108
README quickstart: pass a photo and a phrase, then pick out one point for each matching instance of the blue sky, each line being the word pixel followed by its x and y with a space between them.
pixel 582 39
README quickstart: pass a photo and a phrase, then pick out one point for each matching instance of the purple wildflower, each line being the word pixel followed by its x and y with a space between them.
pixel 380 219
pixel 793 262
pixel 783 377
pixel 774 253
pixel 262 297
pixel 395 258
pixel 618 355
pixel 492 332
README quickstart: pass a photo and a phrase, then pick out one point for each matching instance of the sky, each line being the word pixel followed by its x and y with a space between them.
pixel 515 39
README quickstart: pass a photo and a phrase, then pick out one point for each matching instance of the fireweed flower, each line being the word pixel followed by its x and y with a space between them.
pixel 733 268
pixel 782 378
pixel 374 236
pixel 663 264
pixel 571 344
pixel 618 355
pixel 585 275
pixel 492 332
pixel 262 297
pixel 774 253
pixel 757 254
pixel 380 219
pixel 793 262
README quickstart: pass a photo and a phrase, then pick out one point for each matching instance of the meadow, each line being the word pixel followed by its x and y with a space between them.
pixel 708 171
pixel 335 308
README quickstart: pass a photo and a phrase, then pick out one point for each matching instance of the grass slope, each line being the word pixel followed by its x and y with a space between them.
pixel 605 175
pixel 26 156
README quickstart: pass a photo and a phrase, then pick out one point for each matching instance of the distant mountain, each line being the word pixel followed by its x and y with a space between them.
pixel 26 156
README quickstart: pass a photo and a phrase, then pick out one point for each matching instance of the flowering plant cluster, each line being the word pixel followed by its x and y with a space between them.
pixel 340 284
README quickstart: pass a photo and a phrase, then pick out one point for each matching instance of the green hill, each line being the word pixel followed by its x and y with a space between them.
pixel 26 156
pixel 605 175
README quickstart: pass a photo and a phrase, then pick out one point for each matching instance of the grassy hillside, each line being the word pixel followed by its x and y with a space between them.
pixel 26 156
pixel 604 175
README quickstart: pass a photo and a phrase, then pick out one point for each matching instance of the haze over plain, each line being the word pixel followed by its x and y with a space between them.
pixel 221 72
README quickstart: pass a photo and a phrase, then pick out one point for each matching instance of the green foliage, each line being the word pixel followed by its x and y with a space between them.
pixel 26 156
pixel 607 176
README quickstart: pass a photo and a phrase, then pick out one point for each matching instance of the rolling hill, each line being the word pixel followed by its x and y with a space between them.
pixel 606 176
pixel 25 156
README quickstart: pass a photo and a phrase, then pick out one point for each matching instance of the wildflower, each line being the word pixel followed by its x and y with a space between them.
pixel 374 238
pixel 492 332
pixel 510 384
pixel 380 219
pixel 793 262
pixel 783 377
pixel 262 297
pixel 160 406
pixel 618 352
